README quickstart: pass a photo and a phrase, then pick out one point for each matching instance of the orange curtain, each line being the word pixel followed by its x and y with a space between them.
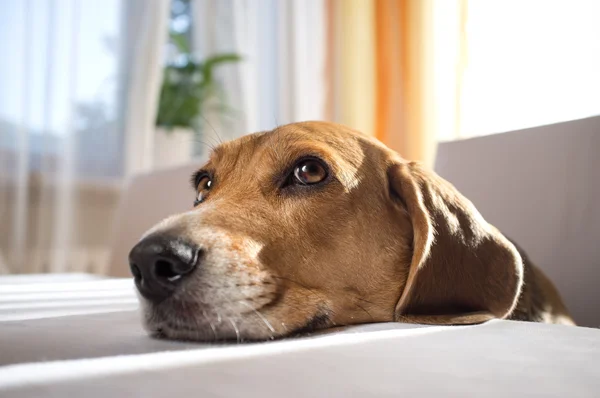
pixel 380 72
pixel 351 63
pixel 405 109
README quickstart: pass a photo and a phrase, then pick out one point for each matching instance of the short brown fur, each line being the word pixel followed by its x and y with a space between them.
pixel 382 240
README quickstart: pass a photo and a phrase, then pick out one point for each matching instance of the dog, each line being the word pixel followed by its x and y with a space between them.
pixel 313 225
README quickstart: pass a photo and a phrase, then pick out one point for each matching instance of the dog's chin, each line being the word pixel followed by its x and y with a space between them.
pixel 204 332
pixel 168 331
pixel 193 322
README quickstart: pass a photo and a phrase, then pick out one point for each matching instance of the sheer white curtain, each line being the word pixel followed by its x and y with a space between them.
pixel 282 76
pixel 79 82
pixel 145 35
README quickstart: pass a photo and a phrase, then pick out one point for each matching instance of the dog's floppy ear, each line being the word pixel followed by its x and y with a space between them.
pixel 463 270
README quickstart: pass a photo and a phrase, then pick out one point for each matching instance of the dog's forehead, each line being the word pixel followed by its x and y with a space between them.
pixel 342 148
pixel 335 143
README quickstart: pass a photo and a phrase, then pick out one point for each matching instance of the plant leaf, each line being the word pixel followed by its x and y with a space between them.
pixel 181 42
pixel 187 88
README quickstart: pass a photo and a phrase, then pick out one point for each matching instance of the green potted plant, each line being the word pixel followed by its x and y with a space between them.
pixel 189 87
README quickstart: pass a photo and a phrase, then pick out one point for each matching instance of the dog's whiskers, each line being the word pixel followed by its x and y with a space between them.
pixel 235 328
pixel 261 316
pixel 220 141
pixel 212 327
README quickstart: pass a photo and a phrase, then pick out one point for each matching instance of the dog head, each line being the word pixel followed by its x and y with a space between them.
pixel 313 225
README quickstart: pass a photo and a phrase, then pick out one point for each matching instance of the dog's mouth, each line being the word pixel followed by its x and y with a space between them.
pixel 223 330
pixel 233 320
pixel 189 321
pixel 215 332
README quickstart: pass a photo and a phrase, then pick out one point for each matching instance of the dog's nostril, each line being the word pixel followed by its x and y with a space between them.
pixel 160 263
pixel 135 271
pixel 166 270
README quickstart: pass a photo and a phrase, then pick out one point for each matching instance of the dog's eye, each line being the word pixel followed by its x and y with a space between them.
pixel 309 171
pixel 204 186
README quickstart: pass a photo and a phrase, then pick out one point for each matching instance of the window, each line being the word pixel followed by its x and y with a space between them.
pixel 529 63
pixel 60 89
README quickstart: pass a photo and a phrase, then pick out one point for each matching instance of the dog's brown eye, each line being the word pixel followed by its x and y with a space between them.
pixel 309 172
pixel 204 186
pixel 205 183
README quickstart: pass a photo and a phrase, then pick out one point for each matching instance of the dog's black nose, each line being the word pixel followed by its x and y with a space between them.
pixel 158 263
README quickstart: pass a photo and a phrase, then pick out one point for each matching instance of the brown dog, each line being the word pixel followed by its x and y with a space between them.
pixel 313 225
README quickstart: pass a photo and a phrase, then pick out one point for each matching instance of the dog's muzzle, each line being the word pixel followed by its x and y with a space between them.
pixel 160 263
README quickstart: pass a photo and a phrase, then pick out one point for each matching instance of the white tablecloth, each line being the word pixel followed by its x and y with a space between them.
pixel 102 351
